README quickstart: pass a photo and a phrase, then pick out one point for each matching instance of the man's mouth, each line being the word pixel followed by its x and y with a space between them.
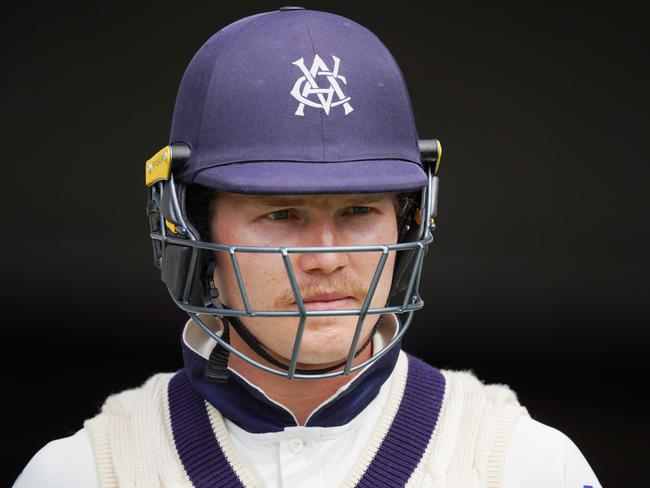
pixel 327 301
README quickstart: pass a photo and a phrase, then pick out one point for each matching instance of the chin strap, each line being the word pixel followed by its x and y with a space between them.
pixel 217 371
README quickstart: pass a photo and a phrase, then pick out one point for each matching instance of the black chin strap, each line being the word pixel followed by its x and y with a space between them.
pixel 217 371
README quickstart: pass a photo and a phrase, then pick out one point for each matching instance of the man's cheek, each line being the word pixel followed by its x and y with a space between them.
pixel 263 279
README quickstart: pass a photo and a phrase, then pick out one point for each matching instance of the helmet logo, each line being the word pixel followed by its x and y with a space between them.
pixel 306 86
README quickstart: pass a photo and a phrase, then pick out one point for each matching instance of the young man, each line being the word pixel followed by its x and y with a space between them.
pixel 290 215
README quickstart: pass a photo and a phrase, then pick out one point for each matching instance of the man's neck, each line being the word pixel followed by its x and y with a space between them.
pixel 301 397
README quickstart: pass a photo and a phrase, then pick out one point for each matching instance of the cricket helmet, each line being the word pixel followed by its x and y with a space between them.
pixel 292 101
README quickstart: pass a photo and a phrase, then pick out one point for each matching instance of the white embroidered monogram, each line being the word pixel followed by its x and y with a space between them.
pixel 306 86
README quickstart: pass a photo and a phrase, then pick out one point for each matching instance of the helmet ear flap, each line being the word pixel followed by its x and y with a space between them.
pixel 197 203
pixel 409 232
pixel 189 274
pixel 184 269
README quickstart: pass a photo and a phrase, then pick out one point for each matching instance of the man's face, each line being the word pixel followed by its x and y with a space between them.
pixel 327 281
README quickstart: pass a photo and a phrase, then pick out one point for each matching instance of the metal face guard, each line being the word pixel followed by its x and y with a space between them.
pixel 181 255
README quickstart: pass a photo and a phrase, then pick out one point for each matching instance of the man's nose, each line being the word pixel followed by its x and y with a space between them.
pixel 322 233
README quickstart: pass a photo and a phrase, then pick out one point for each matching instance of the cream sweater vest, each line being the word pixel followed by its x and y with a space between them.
pixel 134 445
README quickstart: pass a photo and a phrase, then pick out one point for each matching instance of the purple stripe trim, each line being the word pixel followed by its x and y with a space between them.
pixel 411 430
pixel 198 448
pixel 397 457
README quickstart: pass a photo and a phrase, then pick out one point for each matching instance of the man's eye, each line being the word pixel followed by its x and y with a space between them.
pixel 359 210
pixel 279 215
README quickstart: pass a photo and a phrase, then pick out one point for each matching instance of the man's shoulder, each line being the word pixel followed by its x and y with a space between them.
pixel 130 407
pixel 130 399
pixel 538 455
pixel 541 455
pixel 70 461
pixel 67 462
pixel 465 383
pixel 462 385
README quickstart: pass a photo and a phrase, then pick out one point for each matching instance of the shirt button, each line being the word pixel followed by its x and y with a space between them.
pixel 296 445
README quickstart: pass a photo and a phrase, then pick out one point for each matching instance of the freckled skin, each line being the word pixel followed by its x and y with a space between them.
pixel 324 220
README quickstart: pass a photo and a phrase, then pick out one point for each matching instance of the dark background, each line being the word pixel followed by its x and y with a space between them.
pixel 539 274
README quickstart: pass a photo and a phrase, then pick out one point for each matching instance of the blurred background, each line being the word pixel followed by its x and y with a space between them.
pixel 539 274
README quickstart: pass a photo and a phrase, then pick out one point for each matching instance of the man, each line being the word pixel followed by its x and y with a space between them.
pixel 290 215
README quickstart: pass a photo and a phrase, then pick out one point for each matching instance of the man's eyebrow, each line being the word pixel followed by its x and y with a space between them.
pixel 272 201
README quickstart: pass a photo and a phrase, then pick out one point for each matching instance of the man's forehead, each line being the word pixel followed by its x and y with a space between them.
pixel 314 200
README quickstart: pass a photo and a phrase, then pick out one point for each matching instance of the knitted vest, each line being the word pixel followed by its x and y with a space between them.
pixel 438 429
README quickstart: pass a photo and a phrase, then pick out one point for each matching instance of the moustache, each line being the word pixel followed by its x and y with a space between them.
pixel 344 286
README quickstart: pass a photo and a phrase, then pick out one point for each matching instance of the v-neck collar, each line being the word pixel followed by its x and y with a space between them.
pixel 249 407
pixel 394 453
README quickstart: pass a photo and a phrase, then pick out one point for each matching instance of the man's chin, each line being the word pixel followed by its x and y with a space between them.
pixel 319 361
pixel 326 353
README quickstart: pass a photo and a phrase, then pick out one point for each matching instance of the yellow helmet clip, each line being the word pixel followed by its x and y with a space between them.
pixel 158 167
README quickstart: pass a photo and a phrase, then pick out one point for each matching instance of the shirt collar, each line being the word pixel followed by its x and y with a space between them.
pixel 249 407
